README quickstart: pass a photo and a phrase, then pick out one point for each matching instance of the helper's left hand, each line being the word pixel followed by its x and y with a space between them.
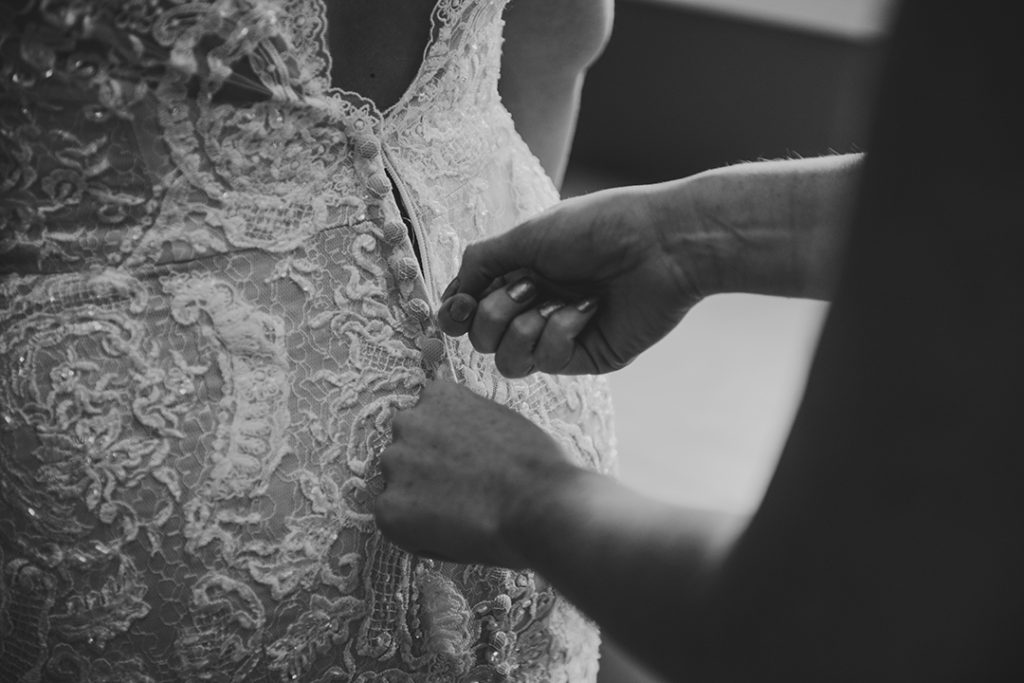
pixel 457 473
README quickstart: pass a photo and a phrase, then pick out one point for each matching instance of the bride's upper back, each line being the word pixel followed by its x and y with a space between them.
pixel 376 46
pixel 201 106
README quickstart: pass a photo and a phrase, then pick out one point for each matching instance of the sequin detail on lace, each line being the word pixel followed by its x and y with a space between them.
pixel 210 309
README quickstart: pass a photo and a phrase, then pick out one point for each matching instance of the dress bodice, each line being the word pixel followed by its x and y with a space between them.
pixel 210 307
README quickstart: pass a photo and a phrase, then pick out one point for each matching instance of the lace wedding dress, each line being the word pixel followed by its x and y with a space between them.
pixel 209 310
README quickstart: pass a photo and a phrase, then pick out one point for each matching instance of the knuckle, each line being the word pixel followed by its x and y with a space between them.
pixel 524 327
pixel 488 313
pixel 561 324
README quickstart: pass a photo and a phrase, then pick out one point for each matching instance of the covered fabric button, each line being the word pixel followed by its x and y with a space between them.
pixel 405 268
pixel 368 147
pixel 394 232
pixel 433 351
pixel 419 309
pixel 378 184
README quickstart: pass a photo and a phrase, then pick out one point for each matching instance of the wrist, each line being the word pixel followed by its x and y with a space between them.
pixel 721 234
pixel 543 512
pixel 769 227
pixel 741 218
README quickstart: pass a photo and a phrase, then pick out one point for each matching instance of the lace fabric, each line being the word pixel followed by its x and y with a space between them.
pixel 210 308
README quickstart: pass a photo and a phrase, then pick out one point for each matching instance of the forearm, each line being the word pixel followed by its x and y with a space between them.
pixel 632 564
pixel 770 227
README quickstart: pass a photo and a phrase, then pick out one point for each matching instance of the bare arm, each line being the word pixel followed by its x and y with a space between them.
pixel 548 47
pixel 646 255
pixel 770 227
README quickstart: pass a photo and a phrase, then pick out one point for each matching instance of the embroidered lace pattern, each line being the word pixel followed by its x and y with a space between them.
pixel 210 308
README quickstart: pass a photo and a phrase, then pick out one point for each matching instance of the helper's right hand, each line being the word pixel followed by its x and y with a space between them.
pixel 581 289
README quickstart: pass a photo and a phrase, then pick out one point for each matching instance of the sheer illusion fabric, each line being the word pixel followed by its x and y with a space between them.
pixel 210 308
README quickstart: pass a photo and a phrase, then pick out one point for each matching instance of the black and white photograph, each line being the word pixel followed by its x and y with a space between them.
pixel 511 341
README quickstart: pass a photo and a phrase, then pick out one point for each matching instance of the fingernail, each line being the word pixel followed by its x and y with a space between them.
pixel 587 305
pixel 522 290
pixel 461 309
pixel 450 290
pixel 550 307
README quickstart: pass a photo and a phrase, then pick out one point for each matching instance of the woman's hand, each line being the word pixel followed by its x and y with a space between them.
pixel 581 289
pixel 461 472
pixel 591 283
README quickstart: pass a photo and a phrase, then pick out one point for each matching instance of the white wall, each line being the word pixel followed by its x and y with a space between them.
pixel 855 19
pixel 702 415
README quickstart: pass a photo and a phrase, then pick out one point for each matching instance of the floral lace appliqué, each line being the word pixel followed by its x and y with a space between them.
pixel 210 309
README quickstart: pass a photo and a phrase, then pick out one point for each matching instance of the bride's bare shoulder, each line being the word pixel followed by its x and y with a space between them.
pixel 549 44
pixel 562 34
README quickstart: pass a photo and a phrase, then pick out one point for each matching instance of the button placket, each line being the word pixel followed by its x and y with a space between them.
pixel 410 276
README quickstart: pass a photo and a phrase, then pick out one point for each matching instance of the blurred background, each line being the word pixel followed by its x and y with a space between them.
pixel 687 85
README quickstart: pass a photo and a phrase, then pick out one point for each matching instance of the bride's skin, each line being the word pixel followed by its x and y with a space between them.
pixel 549 44
pixel 377 47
